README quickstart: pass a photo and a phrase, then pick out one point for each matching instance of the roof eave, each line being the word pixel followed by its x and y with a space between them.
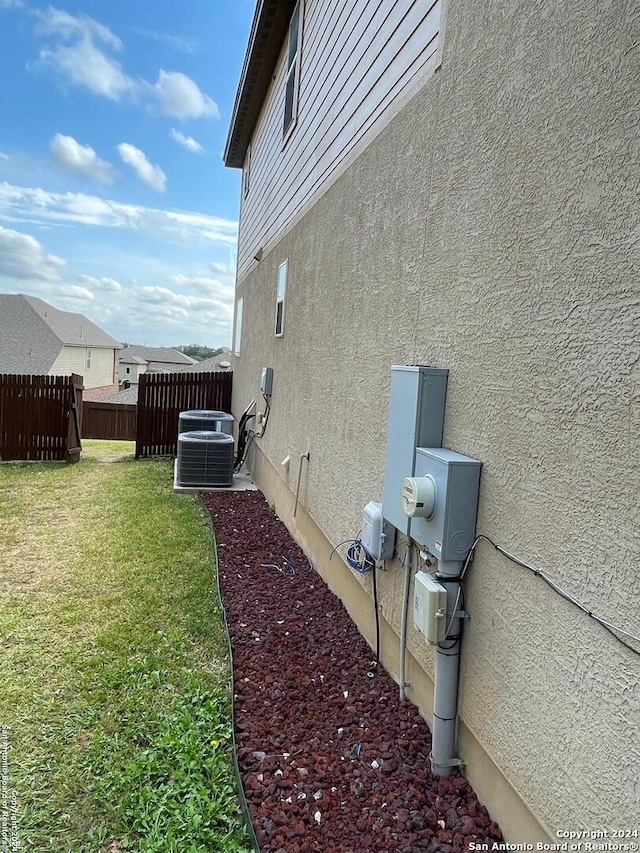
pixel 268 31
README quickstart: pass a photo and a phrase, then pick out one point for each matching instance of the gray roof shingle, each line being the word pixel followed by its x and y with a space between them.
pixel 164 355
pixel 33 333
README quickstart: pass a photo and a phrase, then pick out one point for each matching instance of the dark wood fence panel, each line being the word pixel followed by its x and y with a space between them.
pixel 161 398
pixel 111 421
pixel 40 417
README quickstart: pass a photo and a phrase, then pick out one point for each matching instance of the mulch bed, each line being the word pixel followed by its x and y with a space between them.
pixel 331 760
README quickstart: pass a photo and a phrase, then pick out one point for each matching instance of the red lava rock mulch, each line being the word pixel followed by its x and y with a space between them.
pixel 331 760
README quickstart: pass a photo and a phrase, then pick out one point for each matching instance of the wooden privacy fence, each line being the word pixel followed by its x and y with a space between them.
pixel 112 421
pixel 40 417
pixel 161 398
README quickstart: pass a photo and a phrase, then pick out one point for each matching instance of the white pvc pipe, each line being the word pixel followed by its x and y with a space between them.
pixel 445 694
pixel 403 620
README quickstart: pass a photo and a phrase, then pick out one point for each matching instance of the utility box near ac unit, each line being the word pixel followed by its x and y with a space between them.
pixel 378 536
pixel 449 531
pixel 430 608
pixel 416 419
pixel 266 381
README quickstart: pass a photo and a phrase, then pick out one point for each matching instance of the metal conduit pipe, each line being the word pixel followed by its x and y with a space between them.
pixel 445 688
pixel 403 619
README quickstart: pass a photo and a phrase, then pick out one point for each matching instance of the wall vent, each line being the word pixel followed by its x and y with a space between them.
pixel 205 458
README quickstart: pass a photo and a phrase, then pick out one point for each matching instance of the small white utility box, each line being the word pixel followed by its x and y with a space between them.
pixel 377 534
pixel 430 608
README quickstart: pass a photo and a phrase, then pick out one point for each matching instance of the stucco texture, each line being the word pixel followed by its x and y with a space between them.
pixel 491 228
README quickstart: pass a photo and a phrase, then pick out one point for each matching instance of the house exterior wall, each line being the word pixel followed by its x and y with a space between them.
pixel 488 229
pixel 103 370
pixel 134 372
pixel 342 101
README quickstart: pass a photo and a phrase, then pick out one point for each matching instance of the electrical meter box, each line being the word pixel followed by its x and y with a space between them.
pixel 448 533
pixel 430 608
pixel 416 419
pixel 378 536
pixel 266 381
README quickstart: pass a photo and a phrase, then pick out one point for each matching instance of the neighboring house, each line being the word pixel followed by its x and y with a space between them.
pixel 222 361
pixel 164 360
pixel 131 367
pixel 36 338
pixel 462 197
pixel 135 360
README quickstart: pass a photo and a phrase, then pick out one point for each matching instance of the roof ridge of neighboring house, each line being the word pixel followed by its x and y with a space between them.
pixel 61 323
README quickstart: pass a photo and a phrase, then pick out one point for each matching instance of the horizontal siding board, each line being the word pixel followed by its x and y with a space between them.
pixel 357 62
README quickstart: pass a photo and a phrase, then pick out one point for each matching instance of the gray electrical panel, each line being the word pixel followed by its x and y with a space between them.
pixel 416 419
pixel 449 533
pixel 266 381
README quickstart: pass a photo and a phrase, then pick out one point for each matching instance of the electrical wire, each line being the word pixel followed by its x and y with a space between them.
pixel 360 560
pixel 614 630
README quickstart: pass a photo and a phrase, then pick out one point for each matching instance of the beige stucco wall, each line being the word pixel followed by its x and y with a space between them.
pixel 73 360
pixel 490 229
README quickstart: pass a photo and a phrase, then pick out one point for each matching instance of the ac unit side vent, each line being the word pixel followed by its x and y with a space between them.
pixel 205 419
pixel 205 458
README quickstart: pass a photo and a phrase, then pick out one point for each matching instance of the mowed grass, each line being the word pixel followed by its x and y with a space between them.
pixel 113 660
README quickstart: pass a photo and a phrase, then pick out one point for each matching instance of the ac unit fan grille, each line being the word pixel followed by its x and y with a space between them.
pixel 205 458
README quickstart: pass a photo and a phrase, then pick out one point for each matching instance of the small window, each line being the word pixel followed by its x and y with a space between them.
pixel 246 171
pixel 282 291
pixel 128 370
pixel 237 335
pixel 293 70
pixel 88 359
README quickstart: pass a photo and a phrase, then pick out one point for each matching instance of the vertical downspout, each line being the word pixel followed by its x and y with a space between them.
pixel 403 619
pixel 445 694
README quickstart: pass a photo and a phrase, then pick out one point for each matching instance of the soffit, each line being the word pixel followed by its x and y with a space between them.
pixel 268 32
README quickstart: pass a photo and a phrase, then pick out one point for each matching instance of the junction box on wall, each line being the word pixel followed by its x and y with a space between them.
pixel 378 536
pixel 266 381
pixel 430 608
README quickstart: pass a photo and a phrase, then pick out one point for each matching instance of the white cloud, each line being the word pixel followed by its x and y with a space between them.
pixel 184 44
pixel 4 156
pixel 37 206
pixel 187 142
pixel 71 291
pixel 222 269
pixel 179 97
pixel 10 4
pixel 202 284
pixel 104 284
pixel 74 157
pixel 166 298
pixel 22 257
pixel 78 53
pixel 80 50
pixel 146 171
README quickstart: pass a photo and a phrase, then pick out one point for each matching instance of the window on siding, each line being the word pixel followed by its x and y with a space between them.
pixel 128 370
pixel 280 297
pixel 246 173
pixel 237 334
pixel 293 70
pixel 88 359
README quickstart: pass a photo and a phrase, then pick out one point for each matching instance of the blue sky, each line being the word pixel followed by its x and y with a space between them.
pixel 114 201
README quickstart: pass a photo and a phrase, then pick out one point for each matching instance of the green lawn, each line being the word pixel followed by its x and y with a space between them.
pixel 113 660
